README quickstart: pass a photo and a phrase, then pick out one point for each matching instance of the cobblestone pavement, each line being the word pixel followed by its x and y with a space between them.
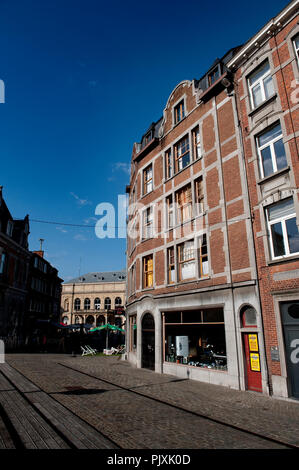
pixel 136 421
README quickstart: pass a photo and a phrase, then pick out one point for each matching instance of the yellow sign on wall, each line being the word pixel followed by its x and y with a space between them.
pixel 253 343
pixel 255 362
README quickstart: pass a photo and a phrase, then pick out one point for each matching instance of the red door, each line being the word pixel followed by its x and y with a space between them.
pixel 252 358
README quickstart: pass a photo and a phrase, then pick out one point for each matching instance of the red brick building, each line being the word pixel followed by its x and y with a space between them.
pixel 210 183
pixel 191 267
pixel 267 88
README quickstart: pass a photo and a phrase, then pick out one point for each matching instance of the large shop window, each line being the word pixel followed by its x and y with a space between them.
pixel 196 338
pixel 283 230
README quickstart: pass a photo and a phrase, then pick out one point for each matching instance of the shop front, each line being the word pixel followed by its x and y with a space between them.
pixel 195 338
pixel 199 336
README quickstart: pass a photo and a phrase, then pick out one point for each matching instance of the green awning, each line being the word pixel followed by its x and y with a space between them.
pixel 107 327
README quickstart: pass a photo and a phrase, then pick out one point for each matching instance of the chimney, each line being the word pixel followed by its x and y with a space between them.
pixel 40 252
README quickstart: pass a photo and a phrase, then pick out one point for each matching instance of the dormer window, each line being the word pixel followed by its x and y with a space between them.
pixel 148 138
pixel 179 112
pixel 214 75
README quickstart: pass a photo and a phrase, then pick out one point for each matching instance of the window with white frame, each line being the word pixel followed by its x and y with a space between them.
pixel 271 151
pixel 182 154
pixel 283 230
pixel 148 179
pixel 147 229
pixel 260 84
pixel 296 47
pixel 186 260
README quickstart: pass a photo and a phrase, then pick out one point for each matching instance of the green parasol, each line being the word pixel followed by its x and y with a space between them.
pixel 107 327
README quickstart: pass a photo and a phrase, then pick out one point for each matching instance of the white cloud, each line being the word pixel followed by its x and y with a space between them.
pixel 80 237
pixel 80 202
pixel 61 229
pixel 90 221
pixel 121 166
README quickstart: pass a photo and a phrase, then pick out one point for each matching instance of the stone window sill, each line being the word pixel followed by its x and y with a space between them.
pixel 262 105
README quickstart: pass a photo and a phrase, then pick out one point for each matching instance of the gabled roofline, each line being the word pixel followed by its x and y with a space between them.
pixel 263 34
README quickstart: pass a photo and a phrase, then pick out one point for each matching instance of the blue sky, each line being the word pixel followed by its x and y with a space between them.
pixel 83 80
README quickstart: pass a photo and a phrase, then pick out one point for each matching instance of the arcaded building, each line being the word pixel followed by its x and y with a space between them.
pixel 94 298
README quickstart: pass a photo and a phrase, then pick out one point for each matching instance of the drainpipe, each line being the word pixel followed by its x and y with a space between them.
pixel 235 102
pixel 228 245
